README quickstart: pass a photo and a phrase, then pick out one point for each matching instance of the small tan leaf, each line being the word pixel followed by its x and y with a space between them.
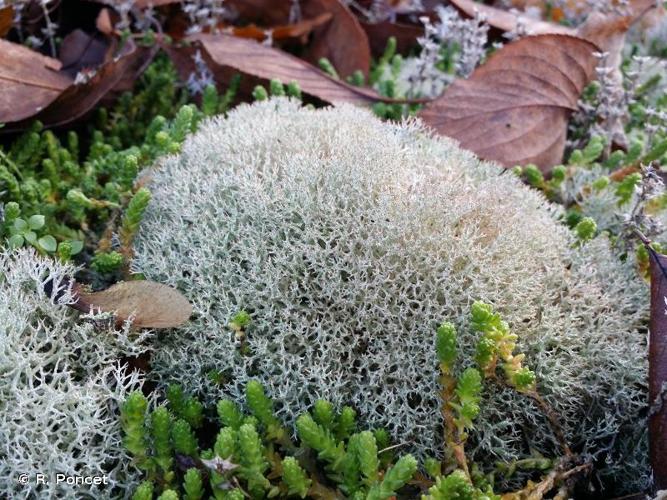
pixel 265 62
pixel 514 108
pixel 151 304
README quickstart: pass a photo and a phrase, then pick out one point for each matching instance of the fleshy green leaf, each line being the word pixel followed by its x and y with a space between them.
pixel 77 246
pixel 20 225
pixel 30 237
pixel 48 243
pixel 16 241
pixel 36 222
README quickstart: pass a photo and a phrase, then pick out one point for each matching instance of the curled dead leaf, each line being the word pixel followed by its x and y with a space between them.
pixel 147 303
pixel 37 92
pixel 29 81
pixel 514 108
pixel 250 57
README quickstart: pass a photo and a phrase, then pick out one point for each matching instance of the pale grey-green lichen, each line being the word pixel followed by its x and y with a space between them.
pixel 60 385
pixel 349 240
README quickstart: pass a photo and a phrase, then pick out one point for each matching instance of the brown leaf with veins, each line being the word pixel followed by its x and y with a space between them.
pixel 147 303
pixel 657 369
pixel 514 108
pixel 606 30
pixel 29 81
pixel 248 56
pixel 33 96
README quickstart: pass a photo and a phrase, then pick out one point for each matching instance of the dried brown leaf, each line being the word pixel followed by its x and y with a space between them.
pixel 6 20
pixel 514 108
pixel 250 57
pixel 342 40
pixel 657 371
pixel 70 100
pixel 147 303
pixel 29 82
pixel 606 30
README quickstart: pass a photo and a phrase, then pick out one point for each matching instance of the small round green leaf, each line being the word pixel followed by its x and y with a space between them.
pixel 48 243
pixel 20 225
pixel 16 241
pixel 36 222
pixel 30 237
pixel 77 246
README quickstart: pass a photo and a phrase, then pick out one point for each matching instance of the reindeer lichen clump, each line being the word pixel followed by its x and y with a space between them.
pixel 347 240
pixel 61 384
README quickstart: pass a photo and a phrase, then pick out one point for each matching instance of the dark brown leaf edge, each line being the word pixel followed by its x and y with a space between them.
pixel 657 369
